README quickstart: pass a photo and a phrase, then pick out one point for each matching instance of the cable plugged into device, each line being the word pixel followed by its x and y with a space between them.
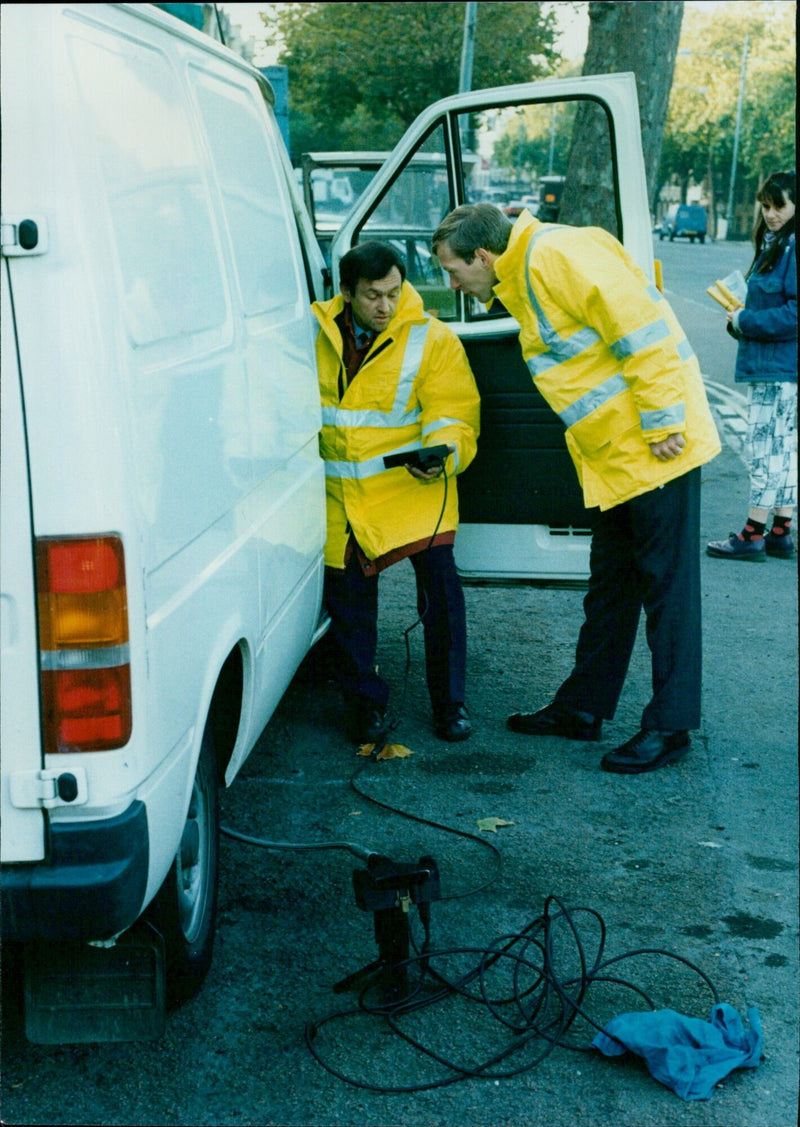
pixel 388 889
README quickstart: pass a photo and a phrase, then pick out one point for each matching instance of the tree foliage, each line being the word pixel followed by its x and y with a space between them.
pixel 360 73
pixel 642 39
pixel 701 121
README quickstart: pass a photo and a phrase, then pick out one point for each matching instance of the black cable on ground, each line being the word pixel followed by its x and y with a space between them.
pixel 359 851
pixel 498 858
pixel 536 1004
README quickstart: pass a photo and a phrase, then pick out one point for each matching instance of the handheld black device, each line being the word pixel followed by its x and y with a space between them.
pixel 424 459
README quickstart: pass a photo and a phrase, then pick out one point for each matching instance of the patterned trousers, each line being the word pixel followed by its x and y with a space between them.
pixel 770 446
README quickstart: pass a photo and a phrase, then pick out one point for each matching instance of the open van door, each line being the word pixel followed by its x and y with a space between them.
pixel 522 515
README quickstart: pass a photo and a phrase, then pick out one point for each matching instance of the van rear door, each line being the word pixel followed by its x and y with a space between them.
pixel 23 792
pixel 522 515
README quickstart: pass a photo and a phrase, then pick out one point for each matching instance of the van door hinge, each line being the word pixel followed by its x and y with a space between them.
pixel 23 235
pixel 48 788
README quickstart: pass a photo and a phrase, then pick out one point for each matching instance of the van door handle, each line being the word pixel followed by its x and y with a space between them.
pixel 23 236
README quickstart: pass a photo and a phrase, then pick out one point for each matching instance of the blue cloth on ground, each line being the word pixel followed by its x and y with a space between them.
pixel 686 1054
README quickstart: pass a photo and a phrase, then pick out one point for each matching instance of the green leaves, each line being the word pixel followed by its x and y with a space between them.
pixel 360 73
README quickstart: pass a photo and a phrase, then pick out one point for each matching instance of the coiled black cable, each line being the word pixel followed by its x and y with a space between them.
pixel 536 1004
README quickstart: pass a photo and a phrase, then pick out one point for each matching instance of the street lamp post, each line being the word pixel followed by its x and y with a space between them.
pixel 736 136
pixel 467 47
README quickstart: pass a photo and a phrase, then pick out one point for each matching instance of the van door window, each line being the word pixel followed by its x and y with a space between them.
pixel 156 194
pixel 254 197
pixel 554 159
pixel 409 212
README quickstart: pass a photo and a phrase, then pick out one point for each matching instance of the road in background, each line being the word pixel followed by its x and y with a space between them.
pixel 688 269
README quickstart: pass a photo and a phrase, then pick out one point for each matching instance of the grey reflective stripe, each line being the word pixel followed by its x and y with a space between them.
pixel 341 417
pixel 558 349
pixel 358 470
pixel 592 400
pixel 640 338
pixel 667 417
pixel 438 423
pixel 105 657
pixel 397 416
pixel 564 350
pixel 685 350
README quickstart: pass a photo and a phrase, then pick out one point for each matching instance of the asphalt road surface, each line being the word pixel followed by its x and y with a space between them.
pixel 698 862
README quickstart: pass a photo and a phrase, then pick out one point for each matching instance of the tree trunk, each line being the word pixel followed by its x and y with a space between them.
pixel 641 37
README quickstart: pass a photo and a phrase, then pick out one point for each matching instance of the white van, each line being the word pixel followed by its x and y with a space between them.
pixel 162 503
pixel 163 515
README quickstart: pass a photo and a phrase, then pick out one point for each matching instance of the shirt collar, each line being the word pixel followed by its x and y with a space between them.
pixel 362 337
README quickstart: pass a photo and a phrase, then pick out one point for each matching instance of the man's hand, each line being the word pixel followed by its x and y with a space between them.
pixel 669 447
pixel 433 472
pixel 426 475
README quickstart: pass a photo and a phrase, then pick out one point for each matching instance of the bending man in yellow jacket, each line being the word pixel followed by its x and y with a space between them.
pixel 608 355
pixel 392 380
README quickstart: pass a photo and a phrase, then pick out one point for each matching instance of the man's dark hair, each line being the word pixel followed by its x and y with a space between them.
pixel 370 261
pixel 471 226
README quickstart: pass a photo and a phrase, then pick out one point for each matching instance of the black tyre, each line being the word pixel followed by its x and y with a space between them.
pixel 185 908
pixel 702 238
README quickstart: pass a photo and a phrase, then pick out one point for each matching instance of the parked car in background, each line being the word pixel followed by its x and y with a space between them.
pixel 684 221
pixel 551 189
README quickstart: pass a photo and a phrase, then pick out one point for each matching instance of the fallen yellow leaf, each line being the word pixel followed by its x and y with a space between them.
pixel 388 751
pixel 394 751
pixel 491 824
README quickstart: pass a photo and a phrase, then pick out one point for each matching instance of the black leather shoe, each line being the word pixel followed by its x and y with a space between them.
pixel 557 720
pixel 648 750
pixel 367 723
pixel 782 547
pixel 453 724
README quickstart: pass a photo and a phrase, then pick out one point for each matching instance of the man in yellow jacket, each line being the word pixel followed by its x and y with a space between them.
pixel 608 355
pixel 393 380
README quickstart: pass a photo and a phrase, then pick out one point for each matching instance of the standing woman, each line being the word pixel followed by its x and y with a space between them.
pixel 766 329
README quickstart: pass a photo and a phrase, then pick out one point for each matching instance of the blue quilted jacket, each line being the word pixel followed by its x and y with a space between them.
pixel 767 326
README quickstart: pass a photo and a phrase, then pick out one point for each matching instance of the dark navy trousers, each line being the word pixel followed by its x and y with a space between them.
pixel 645 556
pixel 351 599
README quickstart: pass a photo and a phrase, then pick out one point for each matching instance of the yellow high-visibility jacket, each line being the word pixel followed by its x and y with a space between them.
pixel 607 353
pixel 415 388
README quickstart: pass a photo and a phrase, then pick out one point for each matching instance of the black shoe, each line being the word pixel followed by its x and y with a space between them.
pixel 734 548
pixel 781 547
pixel 452 723
pixel 648 750
pixel 556 719
pixel 367 723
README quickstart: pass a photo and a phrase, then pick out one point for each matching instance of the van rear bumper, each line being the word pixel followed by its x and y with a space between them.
pixel 91 887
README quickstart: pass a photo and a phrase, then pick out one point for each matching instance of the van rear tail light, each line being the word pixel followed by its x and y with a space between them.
pixel 83 639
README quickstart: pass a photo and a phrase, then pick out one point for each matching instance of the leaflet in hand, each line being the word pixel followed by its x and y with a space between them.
pixel 730 292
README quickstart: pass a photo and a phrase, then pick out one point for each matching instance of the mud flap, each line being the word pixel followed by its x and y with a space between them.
pixel 77 993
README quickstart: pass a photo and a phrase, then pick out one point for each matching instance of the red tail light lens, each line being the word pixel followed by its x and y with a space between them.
pixel 86 709
pixel 83 639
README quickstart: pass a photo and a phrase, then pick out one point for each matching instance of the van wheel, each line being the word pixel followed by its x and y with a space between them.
pixel 184 909
pixel 702 238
